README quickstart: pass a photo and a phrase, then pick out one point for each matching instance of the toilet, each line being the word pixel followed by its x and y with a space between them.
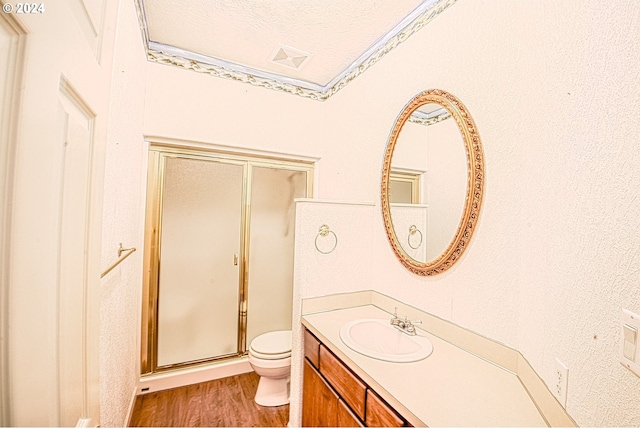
pixel 270 357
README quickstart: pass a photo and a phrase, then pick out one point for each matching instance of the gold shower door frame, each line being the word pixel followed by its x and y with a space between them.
pixel 158 154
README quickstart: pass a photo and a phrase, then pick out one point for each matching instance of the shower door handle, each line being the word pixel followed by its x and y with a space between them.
pixel 235 260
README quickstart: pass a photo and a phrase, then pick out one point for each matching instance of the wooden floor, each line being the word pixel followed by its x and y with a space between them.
pixel 224 402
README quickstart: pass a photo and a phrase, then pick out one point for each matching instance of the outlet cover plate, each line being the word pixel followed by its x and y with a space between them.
pixel 561 381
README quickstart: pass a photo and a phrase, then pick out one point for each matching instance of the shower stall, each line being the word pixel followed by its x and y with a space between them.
pixel 218 253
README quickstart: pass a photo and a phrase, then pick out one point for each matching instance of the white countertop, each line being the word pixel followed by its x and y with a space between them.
pixel 451 387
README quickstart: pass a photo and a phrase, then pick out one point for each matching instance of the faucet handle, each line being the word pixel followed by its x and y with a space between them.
pixel 410 327
pixel 395 320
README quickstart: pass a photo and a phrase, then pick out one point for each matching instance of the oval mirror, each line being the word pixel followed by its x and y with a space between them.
pixel 432 182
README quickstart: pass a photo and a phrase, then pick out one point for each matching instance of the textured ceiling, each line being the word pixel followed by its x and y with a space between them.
pixel 308 47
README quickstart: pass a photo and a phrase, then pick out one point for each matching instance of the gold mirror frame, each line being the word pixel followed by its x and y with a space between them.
pixel 475 183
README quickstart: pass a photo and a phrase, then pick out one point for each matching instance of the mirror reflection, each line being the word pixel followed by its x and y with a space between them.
pixel 427 183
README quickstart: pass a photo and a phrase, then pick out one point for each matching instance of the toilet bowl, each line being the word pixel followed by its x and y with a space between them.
pixel 270 358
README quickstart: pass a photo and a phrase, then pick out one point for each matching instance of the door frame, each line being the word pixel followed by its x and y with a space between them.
pixel 9 107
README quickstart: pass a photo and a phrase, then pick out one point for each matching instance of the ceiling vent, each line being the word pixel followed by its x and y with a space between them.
pixel 290 57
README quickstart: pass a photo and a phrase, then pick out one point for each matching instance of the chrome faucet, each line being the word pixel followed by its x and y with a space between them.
pixel 404 325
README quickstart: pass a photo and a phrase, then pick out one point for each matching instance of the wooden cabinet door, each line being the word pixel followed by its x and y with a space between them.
pixel 346 418
pixel 319 402
pixel 379 414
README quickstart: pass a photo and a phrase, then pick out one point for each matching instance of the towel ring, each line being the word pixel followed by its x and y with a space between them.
pixel 412 231
pixel 324 231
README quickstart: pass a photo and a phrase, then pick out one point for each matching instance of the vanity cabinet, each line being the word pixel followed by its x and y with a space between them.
pixel 334 396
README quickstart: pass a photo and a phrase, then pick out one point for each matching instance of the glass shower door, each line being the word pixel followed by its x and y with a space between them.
pixel 218 254
pixel 271 227
pixel 200 241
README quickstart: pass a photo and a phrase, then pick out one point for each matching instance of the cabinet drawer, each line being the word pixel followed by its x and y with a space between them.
pixel 311 348
pixel 379 414
pixel 350 388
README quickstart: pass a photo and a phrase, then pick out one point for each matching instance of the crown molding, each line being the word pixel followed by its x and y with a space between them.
pixel 173 56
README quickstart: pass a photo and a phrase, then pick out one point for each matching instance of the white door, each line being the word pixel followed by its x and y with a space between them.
pixel 52 179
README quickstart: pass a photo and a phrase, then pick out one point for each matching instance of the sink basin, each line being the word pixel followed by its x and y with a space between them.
pixel 377 338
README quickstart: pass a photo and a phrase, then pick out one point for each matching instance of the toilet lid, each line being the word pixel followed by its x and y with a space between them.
pixel 272 343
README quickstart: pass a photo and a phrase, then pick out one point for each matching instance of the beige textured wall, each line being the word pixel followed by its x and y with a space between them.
pixel 555 92
pixel 123 222
pixel 554 89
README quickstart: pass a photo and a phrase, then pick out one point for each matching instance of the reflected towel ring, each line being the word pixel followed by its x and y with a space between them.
pixel 324 231
pixel 412 231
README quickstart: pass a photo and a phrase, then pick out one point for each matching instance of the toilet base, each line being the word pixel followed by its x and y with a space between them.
pixel 272 392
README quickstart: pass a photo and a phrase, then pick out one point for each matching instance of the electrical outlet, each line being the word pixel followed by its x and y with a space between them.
pixel 561 380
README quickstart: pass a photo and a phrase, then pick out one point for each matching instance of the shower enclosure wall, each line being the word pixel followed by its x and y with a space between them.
pixel 218 253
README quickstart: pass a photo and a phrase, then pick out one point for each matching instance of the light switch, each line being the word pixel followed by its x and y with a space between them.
pixel 630 349
pixel 630 341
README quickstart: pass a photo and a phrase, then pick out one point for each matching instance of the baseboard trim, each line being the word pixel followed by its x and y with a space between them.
pixel 132 403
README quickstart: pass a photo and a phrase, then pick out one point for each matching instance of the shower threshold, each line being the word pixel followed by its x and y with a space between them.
pixel 193 374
